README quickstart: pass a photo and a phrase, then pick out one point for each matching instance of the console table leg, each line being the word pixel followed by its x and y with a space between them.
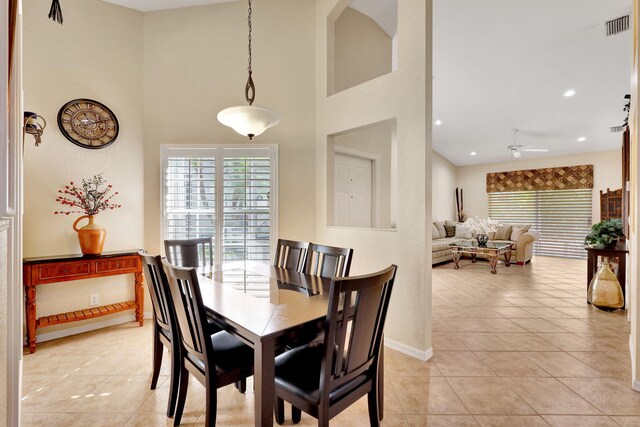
pixel 139 298
pixel 30 306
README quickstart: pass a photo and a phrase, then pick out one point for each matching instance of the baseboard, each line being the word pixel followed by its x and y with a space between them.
pixel 90 327
pixel 635 384
pixel 423 355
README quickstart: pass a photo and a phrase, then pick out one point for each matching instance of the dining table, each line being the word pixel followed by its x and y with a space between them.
pixel 269 309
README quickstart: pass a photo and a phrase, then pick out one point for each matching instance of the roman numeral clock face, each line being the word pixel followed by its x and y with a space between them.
pixel 88 123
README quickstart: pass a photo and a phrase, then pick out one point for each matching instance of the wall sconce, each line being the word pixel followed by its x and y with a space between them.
pixel 34 125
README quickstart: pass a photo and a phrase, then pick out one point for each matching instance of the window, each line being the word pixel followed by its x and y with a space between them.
pixel 227 194
pixel 563 218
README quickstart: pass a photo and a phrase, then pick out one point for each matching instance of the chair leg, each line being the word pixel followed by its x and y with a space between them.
pixel 296 414
pixel 182 393
pixel 279 411
pixel 174 382
pixel 241 385
pixel 212 403
pixel 374 415
pixel 157 357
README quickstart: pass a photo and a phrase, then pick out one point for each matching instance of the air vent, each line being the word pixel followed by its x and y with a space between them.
pixel 617 25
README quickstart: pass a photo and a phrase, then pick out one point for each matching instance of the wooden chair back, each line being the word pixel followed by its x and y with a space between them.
pixel 328 261
pixel 159 291
pixel 191 317
pixel 190 252
pixel 291 254
pixel 355 323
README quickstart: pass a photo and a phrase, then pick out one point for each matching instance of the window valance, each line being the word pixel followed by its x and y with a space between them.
pixel 561 178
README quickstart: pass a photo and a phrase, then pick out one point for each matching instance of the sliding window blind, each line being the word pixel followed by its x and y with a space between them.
pixel 563 217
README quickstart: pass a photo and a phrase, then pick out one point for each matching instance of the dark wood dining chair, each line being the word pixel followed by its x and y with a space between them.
pixel 291 254
pixel 190 253
pixel 325 378
pixel 328 261
pixel 164 326
pixel 214 360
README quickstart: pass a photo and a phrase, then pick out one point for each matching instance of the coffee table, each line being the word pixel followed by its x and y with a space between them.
pixel 492 249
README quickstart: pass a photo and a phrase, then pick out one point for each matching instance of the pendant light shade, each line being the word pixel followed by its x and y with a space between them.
pixel 248 120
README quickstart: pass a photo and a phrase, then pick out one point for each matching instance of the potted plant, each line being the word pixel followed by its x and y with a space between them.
pixel 604 234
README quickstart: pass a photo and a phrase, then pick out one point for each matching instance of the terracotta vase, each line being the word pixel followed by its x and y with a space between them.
pixel 91 236
pixel 604 290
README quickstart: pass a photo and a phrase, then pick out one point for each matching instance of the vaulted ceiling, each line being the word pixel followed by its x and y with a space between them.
pixel 505 64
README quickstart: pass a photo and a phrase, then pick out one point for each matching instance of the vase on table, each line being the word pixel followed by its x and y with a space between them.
pixel 605 291
pixel 91 236
pixel 482 240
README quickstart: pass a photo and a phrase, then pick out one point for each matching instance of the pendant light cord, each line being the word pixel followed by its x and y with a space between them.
pixel 250 88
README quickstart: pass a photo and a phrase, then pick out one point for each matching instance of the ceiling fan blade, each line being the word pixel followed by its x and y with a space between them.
pixel 536 150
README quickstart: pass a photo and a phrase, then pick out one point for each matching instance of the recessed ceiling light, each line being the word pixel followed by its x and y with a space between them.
pixel 438 122
pixel 582 139
pixel 473 153
pixel 569 93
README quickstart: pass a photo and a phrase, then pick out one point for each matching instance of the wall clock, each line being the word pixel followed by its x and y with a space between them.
pixel 88 123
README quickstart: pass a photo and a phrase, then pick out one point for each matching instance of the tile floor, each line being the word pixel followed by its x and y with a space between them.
pixel 520 348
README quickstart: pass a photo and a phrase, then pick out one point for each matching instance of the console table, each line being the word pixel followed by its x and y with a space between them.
pixel 620 252
pixel 65 268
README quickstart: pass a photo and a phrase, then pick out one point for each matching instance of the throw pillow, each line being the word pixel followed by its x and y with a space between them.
pixel 450 229
pixel 440 226
pixel 435 233
pixel 503 233
pixel 517 232
pixel 463 232
pixel 492 235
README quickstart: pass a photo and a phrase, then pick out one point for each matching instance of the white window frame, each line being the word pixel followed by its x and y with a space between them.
pixel 219 151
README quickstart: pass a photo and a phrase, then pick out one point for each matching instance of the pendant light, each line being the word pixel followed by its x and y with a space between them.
pixel 247 119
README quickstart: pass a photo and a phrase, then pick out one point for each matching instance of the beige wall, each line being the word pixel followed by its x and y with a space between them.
pixel 4 226
pixel 363 50
pixel 443 191
pixel 195 62
pixel 375 141
pixel 634 217
pixel 97 54
pixel 607 172
pixel 406 95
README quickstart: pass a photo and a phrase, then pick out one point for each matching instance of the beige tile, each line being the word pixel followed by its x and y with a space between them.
pixel 423 396
pixel 560 364
pixel 627 421
pixel 460 364
pixel 550 396
pixel 526 341
pixel 396 363
pixel 514 312
pixel 510 364
pixel 441 421
pixel 612 396
pixel 61 394
pixel 579 421
pixel 156 420
pixel 538 325
pixel 567 341
pixel 447 341
pixel 510 420
pixel 43 419
pixel 119 394
pixel 608 364
pixel 483 341
pixel 488 396
pixel 94 420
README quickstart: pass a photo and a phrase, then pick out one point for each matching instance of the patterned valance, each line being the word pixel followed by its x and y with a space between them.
pixel 563 178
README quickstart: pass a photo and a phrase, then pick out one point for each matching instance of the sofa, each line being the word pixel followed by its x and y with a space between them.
pixel 523 237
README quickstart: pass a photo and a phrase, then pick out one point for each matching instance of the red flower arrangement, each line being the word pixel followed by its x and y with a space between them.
pixel 92 197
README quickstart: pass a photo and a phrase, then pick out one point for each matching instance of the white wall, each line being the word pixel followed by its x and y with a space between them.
pixel 195 62
pixel 607 172
pixel 96 54
pixel 444 186
pixel 406 95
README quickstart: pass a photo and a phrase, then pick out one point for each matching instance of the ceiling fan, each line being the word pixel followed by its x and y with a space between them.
pixel 517 149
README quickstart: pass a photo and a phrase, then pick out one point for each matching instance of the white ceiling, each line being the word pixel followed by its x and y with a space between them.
pixel 151 5
pixel 504 64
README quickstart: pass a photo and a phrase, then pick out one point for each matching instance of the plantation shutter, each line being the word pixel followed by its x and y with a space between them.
pixel 563 217
pixel 222 193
